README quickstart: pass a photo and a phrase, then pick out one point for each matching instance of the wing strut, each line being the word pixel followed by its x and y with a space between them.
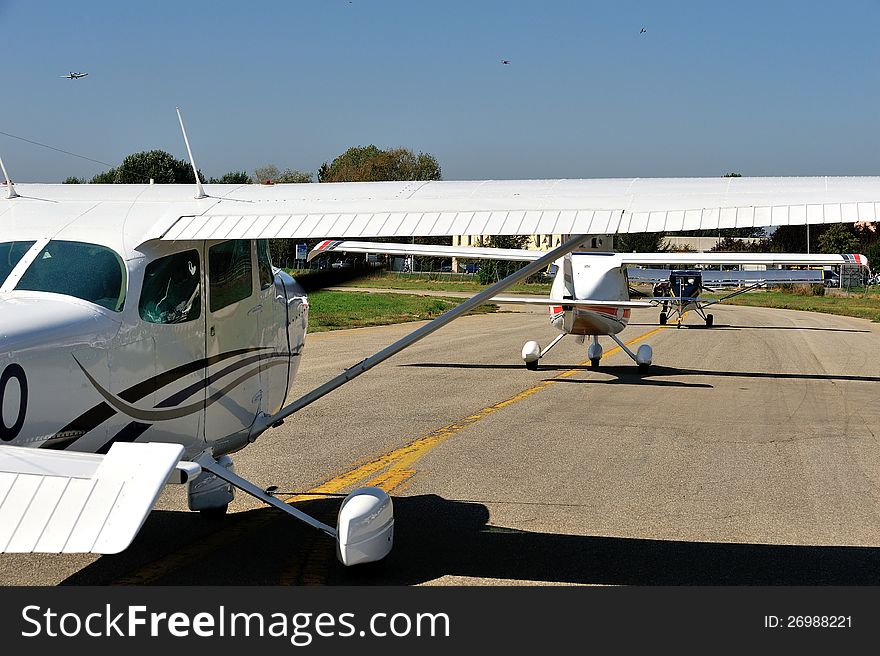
pixel 351 373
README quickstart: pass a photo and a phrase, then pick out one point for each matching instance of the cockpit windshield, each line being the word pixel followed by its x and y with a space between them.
pixel 87 271
pixel 10 254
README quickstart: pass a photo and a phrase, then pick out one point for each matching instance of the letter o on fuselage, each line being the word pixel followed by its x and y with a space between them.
pixel 10 431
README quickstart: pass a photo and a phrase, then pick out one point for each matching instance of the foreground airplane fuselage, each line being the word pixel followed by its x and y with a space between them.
pixel 184 342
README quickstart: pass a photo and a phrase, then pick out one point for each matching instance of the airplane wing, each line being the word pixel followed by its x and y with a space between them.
pixel 523 207
pixel 65 502
pixel 768 277
pixel 515 254
pixel 718 278
pixel 581 302
pixel 806 259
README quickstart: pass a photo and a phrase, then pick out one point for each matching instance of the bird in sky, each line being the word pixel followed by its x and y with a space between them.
pixel 643 31
pixel 505 61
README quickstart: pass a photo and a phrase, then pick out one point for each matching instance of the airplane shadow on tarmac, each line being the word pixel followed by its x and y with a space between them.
pixel 727 326
pixel 436 537
pixel 632 375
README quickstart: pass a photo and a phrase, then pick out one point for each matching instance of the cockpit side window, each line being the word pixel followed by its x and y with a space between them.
pixel 172 292
pixel 87 271
pixel 229 273
pixel 10 254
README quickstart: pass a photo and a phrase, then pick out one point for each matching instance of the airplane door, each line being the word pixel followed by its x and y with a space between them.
pixel 158 361
pixel 232 337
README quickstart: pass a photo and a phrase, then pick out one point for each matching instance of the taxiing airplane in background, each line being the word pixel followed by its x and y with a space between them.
pixel 590 294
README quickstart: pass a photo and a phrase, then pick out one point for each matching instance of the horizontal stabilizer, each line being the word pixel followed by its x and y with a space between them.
pixel 580 303
pixel 64 502
pixel 658 300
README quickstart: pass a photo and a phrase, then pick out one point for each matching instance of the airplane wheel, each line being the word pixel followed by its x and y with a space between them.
pixel 662 318
pixel 215 513
pixel 709 320
pixel 532 366
pixel 594 362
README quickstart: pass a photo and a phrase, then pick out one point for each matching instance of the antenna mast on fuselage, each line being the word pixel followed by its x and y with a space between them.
pixel 10 188
pixel 200 192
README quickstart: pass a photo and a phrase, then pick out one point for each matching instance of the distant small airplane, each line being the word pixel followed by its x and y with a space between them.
pixel 74 76
pixel 643 31
pixel 505 61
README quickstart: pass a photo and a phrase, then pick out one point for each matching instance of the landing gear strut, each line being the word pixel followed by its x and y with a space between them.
pixel 532 352
pixel 641 357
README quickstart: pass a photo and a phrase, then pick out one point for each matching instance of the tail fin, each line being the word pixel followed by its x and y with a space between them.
pixel 568 277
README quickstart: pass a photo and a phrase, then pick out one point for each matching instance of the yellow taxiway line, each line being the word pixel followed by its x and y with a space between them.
pixel 389 472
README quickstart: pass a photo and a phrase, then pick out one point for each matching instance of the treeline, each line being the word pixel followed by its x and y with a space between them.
pixel 357 164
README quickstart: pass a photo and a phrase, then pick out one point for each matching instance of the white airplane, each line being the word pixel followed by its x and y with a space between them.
pixel 73 75
pixel 145 336
pixel 590 293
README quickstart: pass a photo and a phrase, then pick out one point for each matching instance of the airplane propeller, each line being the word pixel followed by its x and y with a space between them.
pixel 319 279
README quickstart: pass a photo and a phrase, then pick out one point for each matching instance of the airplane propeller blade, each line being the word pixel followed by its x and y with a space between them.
pixel 319 279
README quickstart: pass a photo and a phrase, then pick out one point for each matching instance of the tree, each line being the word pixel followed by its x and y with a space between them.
pixel 292 176
pixel 641 242
pixel 370 164
pixel 266 173
pixel 107 177
pixel 74 180
pixel 233 177
pixel 872 252
pixel 156 165
pixel 837 238
pixel 492 271
pixel 733 245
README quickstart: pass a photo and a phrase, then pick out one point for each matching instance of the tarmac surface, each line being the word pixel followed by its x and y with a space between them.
pixel 747 454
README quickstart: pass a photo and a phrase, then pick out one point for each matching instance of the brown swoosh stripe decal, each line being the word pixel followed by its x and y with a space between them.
pixel 135 429
pixel 101 412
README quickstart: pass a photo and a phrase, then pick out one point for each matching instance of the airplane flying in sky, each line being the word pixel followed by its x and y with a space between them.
pixel 590 294
pixel 145 335
pixel 74 75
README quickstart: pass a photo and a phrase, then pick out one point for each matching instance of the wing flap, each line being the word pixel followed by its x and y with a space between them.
pixel 62 502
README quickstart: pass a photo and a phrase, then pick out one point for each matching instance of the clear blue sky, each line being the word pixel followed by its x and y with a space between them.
pixel 764 88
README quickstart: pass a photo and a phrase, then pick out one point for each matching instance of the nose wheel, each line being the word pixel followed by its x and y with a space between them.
pixel 594 352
